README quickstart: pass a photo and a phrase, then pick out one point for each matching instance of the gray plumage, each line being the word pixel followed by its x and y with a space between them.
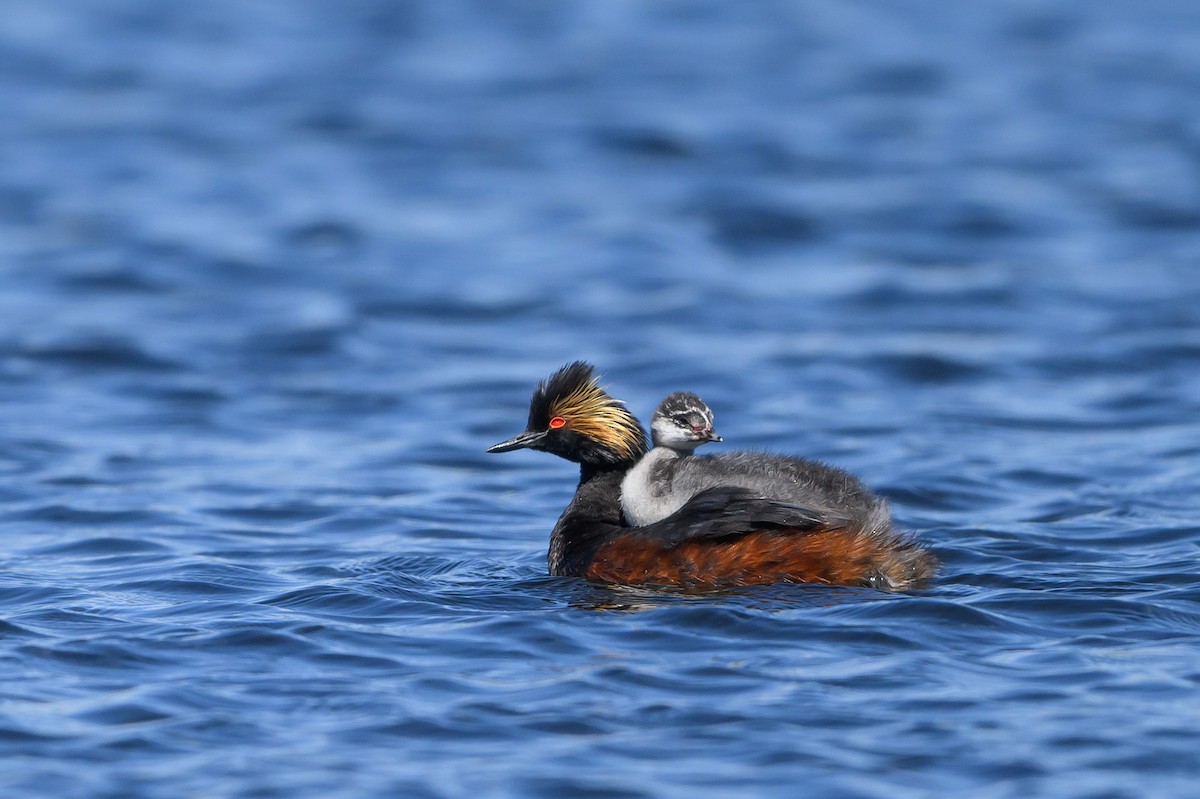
pixel 669 475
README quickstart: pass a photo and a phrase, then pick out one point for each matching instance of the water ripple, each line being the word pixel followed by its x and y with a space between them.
pixel 262 313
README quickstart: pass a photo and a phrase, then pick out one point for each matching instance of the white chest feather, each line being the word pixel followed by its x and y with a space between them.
pixel 646 497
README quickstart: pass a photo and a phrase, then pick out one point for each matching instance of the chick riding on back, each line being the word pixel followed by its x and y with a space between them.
pixel 720 537
pixel 668 476
pixel 649 491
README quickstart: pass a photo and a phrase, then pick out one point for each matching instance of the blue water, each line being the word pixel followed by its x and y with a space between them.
pixel 273 275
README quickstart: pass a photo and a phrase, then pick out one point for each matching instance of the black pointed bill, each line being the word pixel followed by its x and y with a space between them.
pixel 526 439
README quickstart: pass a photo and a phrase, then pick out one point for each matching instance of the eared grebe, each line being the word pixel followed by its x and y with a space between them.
pixel 723 536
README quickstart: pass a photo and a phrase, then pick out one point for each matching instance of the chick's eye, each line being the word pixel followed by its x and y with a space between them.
pixel 682 421
pixel 557 422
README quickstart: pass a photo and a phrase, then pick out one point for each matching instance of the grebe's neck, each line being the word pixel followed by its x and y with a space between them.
pixel 593 513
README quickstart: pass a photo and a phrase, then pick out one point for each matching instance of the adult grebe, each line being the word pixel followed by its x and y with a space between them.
pixel 723 536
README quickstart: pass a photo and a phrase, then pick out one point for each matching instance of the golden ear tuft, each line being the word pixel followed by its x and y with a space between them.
pixel 591 412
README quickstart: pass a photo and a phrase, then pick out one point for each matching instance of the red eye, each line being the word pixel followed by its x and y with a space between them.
pixel 557 422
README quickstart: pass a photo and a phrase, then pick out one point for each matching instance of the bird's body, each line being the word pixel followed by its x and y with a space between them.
pixel 723 535
pixel 669 474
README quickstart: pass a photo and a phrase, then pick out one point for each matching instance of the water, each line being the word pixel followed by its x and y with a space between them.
pixel 274 275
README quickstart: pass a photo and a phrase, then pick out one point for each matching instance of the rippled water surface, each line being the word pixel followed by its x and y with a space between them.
pixel 272 276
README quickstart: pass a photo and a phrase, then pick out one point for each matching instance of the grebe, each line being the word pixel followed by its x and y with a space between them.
pixel 722 537
pixel 668 476
pixel 656 486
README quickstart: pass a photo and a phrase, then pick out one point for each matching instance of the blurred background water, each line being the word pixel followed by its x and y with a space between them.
pixel 273 275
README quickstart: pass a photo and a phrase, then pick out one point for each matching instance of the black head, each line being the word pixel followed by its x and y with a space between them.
pixel 571 416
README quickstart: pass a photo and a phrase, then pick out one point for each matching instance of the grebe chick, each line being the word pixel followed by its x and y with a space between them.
pixel 669 476
pixel 721 537
pixel 650 491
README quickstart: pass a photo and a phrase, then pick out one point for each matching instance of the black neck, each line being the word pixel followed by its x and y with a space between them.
pixel 590 471
pixel 593 514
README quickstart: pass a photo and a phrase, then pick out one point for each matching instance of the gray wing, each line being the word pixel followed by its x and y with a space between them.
pixel 731 511
pixel 803 482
